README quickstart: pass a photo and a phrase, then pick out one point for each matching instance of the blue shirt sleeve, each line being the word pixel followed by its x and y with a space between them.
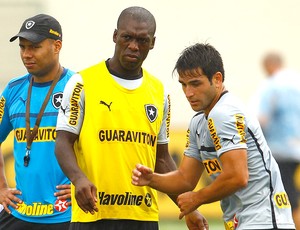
pixel 5 124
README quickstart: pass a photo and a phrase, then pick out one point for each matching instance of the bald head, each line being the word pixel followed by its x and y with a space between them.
pixel 139 14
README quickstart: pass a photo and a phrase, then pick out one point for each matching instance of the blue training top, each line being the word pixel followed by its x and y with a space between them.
pixel 38 181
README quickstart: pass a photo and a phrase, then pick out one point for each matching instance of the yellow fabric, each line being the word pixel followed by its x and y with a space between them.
pixel 229 225
pixel 116 135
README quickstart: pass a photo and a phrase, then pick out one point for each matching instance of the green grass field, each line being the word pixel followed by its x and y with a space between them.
pixel 174 224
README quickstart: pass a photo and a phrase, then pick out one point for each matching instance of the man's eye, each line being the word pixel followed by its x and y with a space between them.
pixel 126 37
pixel 142 40
pixel 195 84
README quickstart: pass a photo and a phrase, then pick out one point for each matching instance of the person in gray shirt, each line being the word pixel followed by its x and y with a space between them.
pixel 228 143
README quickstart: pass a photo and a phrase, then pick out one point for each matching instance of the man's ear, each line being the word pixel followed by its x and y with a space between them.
pixel 152 43
pixel 115 35
pixel 57 45
pixel 218 78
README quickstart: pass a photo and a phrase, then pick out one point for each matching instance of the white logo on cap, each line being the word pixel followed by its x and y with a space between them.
pixel 29 24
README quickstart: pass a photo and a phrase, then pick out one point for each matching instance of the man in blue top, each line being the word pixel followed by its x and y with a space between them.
pixel 29 105
pixel 278 113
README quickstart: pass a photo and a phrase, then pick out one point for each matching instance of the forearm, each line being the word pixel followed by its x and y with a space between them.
pixel 234 176
pixel 166 178
pixel 171 183
pixel 165 166
pixel 219 189
pixel 66 157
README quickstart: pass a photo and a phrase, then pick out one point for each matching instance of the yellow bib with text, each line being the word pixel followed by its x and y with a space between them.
pixel 120 129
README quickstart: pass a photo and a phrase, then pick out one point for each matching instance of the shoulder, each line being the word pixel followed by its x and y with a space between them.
pixel 96 67
pixel 66 75
pixel 74 79
pixel 16 86
pixel 18 81
pixel 197 120
pixel 69 73
pixel 228 103
pixel 198 116
pixel 227 108
pixel 151 77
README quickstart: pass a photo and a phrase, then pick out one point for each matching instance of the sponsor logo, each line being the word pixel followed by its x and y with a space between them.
pixel 54 32
pixel 29 24
pixel 126 198
pixel 107 105
pixel 151 112
pixel 60 205
pixel 127 136
pixel 63 109
pixel 23 100
pixel 232 224
pixel 236 222
pixel 40 209
pixel 74 108
pixel 212 166
pixel 187 136
pixel 213 134
pixel 168 116
pixel 229 140
pixel 56 99
pixel 43 134
pixel 2 105
pixel 229 225
pixel 36 209
pixel 148 200
pixel 281 200
pixel 240 126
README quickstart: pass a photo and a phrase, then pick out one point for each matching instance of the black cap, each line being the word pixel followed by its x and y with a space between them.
pixel 38 28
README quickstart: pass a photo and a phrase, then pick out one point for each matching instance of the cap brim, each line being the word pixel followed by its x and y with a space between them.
pixel 33 37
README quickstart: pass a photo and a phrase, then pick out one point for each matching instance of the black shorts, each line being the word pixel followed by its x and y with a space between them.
pixel 115 225
pixel 9 222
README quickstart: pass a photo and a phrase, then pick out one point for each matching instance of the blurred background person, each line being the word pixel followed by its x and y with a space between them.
pixel 278 109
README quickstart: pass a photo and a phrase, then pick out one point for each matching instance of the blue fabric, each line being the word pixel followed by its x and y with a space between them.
pixel 280 104
pixel 38 181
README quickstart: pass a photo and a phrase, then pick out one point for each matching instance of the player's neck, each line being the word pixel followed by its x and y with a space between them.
pixel 50 76
pixel 216 99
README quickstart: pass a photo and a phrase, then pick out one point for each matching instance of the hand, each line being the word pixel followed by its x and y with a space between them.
pixel 187 203
pixel 8 198
pixel 195 221
pixel 86 195
pixel 64 193
pixel 141 175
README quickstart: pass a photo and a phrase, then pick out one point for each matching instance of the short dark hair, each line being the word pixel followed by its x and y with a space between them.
pixel 140 14
pixel 200 55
